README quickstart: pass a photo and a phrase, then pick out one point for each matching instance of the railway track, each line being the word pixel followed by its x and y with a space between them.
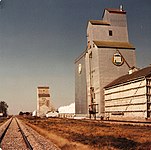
pixel 16 135
pixel 129 122
pixel 13 137
pixel 138 123
pixel 134 123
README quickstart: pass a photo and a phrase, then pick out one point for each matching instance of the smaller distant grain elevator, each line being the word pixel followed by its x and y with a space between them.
pixel 44 104
pixel 108 56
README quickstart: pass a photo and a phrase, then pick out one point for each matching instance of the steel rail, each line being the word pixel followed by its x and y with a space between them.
pixel 130 122
pixel 124 122
pixel 24 136
pixel 3 134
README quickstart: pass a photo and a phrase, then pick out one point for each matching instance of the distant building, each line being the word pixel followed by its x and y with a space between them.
pixel 1 114
pixel 129 96
pixel 44 103
pixel 108 56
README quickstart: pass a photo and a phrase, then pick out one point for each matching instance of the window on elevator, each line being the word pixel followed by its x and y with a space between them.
pixel 110 33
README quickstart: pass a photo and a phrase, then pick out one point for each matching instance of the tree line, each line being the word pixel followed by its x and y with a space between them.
pixel 3 108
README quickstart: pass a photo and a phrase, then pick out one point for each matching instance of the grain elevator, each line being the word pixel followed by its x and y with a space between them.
pixel 108 55
pixel 44 103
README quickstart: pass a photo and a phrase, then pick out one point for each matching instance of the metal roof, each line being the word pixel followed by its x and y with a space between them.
pixel 43 87
pixel 82 55
pixel 99 22
pixel 106 44
pixel 130 77
pixel 118 11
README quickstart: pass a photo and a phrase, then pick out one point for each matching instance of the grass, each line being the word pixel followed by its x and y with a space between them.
pixel 3 120
pixel 71 134
pixel 58 140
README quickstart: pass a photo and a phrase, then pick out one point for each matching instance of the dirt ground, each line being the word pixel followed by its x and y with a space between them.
pixel 71 134
pixel 2 120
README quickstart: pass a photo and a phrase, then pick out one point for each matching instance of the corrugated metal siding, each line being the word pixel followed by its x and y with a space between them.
pixel 94 64
pixel 108 71
pixel 80 88
pixel 127 98
pixel 118 25
pixel 148 96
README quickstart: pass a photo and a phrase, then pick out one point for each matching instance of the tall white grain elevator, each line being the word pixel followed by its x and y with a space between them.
pixel 108 55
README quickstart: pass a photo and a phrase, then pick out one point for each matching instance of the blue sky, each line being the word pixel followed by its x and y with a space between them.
pixel 40 39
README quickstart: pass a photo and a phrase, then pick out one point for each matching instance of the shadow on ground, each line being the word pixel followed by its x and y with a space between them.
pixel 110 141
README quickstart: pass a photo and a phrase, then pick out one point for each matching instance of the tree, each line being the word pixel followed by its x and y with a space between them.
pixel 21 113
pixel 3 108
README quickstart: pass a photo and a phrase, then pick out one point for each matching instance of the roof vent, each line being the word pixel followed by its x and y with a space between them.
pixel 121 7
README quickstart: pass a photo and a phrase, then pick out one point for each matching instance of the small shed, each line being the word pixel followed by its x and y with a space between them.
pixel 129 96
